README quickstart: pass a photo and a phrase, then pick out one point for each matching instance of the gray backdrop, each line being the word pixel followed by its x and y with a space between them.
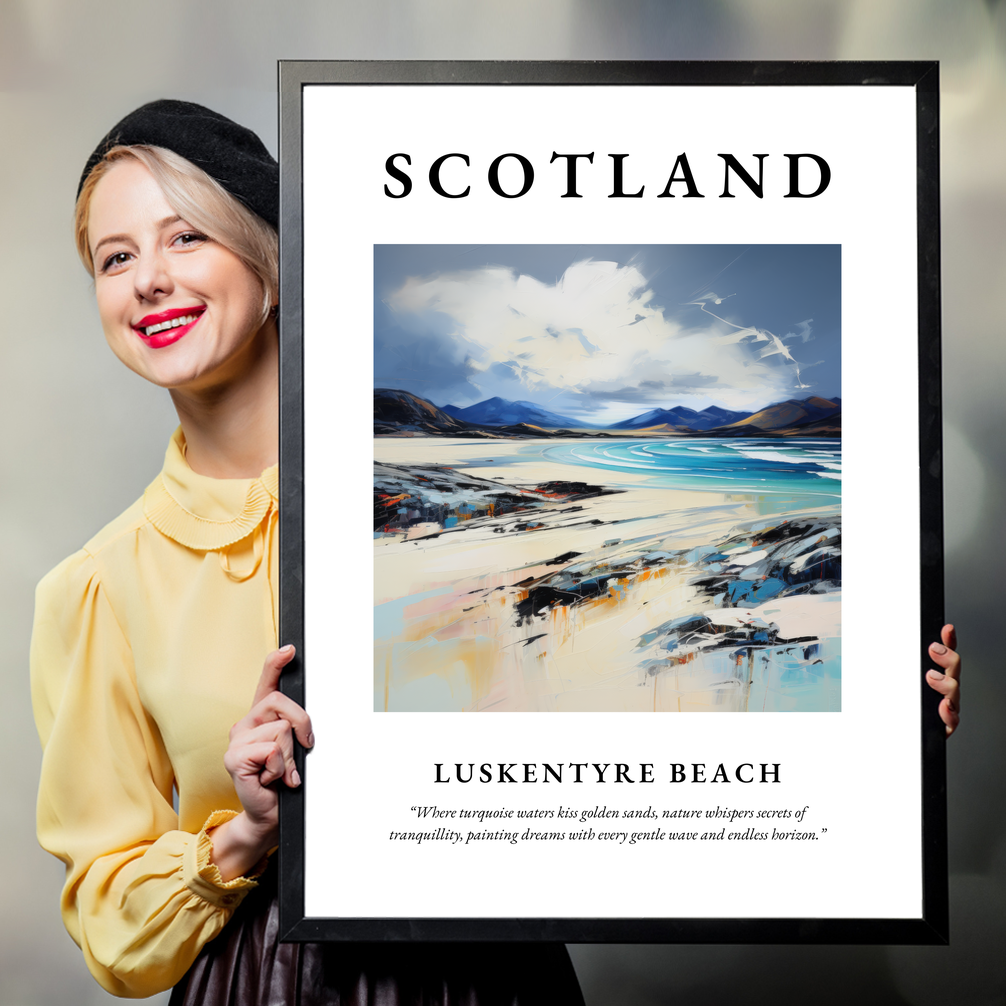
pixel 82 436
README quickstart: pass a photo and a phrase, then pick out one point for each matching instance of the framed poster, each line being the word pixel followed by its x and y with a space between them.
pixel 611 501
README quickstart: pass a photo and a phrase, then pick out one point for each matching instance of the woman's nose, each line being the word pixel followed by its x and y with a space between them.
pixel 152 277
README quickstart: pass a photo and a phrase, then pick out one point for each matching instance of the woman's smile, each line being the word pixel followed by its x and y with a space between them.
pixel 166 327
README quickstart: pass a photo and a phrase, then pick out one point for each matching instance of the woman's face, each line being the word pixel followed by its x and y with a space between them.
pixel 177 308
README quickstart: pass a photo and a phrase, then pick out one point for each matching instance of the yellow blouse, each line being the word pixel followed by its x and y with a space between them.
pixel 147 647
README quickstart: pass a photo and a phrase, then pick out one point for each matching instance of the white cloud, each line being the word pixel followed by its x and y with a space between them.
pixel 597 335
pixel 803 332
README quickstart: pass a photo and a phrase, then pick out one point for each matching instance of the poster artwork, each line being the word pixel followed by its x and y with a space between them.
pixel 607 478
pixel 631 452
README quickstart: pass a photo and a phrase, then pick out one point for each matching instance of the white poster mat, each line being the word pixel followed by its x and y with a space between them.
pixel 857 772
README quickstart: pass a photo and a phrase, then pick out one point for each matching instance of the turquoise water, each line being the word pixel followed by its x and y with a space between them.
pixel 802 467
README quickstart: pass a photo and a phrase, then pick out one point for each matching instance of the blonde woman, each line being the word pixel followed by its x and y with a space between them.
pixel 165 736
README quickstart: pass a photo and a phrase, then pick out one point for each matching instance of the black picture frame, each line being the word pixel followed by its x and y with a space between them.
pixel 931 927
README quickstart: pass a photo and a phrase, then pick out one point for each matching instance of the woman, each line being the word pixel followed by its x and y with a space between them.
pixel 148 643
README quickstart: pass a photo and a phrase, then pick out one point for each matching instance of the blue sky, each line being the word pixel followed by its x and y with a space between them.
pixel 605 332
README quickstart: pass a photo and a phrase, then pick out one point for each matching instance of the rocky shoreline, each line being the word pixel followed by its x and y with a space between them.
pixel 520 591
pixel 410 495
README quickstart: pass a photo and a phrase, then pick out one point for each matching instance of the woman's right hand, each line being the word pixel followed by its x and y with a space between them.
pixel 948 681
pixel 260 753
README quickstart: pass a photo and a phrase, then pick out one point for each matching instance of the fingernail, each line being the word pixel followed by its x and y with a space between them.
pixel 936 675
pixel 938 648
pixel 295 777
pixel 287 649
pixel 310 740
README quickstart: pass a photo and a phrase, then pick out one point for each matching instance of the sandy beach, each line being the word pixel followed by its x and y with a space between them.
pixel 479 615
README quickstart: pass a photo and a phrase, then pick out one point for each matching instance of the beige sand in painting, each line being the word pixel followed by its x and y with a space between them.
pixel 458 645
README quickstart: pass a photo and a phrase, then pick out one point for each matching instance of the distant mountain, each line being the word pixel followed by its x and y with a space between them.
pixel 401 413
pixel 830 427
pixel 500 412
pixel 681 417
pixel 724 415
pixel 793 415
pixel 405 412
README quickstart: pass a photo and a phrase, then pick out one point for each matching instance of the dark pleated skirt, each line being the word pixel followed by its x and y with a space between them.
pixel 246 965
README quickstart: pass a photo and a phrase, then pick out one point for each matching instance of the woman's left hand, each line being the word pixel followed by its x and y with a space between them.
pixel 948 681
pixel 260 754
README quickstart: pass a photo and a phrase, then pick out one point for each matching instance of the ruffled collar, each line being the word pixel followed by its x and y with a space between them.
pixel 203 513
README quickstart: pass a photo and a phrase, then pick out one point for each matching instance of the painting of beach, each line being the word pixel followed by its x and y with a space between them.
pixel 607 478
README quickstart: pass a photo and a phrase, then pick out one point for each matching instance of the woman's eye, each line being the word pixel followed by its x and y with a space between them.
pixel 114 261
pixel 190 238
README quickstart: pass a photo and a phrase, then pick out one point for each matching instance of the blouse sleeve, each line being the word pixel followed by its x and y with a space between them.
pixel 141 898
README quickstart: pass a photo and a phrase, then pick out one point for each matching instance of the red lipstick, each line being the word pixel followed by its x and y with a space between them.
pixel 165 333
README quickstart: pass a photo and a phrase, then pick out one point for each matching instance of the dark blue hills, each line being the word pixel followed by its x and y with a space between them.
pixel 401 412
pixel 500 412
pixel 792 414
pixel 680 415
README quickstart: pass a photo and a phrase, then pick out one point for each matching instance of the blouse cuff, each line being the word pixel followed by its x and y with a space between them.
pixel 202 876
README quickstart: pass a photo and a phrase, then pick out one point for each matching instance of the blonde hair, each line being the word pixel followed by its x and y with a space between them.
pixel 199 200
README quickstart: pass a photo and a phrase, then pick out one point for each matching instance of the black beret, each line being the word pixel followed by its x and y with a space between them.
pixel 231 154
